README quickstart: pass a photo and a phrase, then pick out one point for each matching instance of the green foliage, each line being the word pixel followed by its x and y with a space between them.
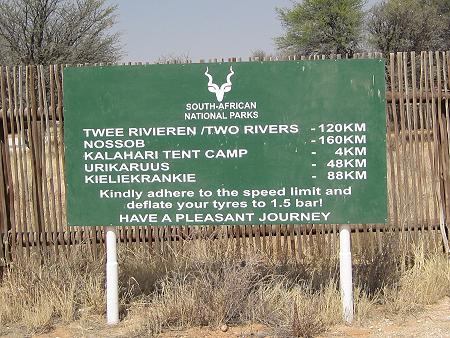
pixel 322 26
pixel 443 9
pixel 409 25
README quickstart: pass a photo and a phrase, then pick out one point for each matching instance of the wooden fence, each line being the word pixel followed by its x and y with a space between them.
pixel 32 190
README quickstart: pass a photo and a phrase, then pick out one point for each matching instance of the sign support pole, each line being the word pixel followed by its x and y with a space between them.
pixel 345 269
pixel 112 277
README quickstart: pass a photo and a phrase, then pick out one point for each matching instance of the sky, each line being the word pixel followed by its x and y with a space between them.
pixel 199 29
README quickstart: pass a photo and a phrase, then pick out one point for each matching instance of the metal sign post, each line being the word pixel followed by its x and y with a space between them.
pixel 345 270
pixel 112 277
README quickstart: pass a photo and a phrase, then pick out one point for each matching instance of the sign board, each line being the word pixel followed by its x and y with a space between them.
pixel 293 142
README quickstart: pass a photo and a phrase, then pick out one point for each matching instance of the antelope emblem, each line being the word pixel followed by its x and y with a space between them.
pixel 224 88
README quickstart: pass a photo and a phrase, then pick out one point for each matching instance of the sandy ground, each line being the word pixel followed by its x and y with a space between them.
pixel 434 322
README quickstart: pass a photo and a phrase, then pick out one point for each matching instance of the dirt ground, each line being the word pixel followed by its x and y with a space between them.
pixel 434 322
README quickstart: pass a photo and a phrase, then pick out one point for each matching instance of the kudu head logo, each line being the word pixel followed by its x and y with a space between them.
pixel 224 88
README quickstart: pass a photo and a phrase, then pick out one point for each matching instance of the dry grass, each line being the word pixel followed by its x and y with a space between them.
pixel 425 283
pixel 203 283
pixel 37 295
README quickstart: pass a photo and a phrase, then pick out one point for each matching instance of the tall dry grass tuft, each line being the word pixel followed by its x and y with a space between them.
pixel 426 282
pixel 297 310
pixel 35 294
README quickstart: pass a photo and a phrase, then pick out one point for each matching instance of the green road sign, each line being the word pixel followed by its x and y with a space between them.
pixel 293 142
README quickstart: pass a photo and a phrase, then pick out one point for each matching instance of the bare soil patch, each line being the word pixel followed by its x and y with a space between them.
pixel 434 322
